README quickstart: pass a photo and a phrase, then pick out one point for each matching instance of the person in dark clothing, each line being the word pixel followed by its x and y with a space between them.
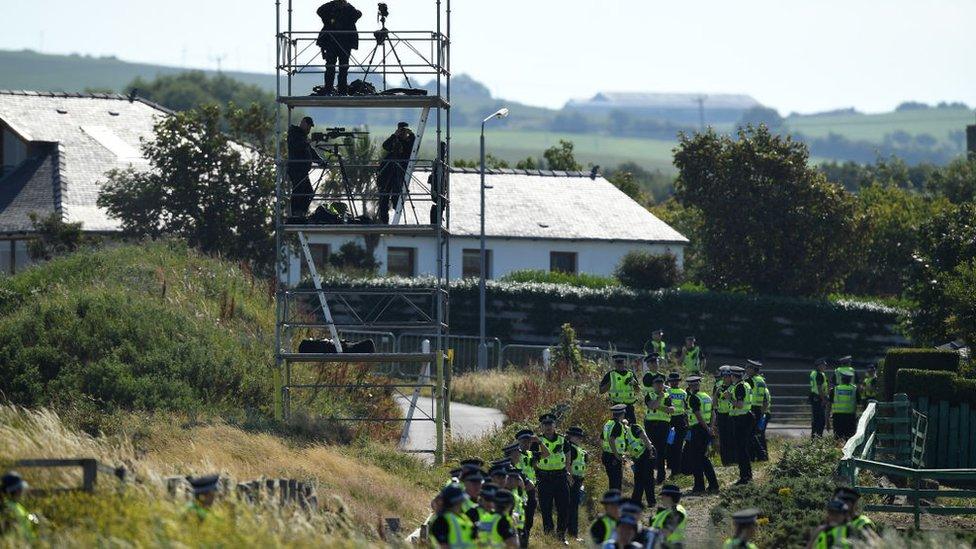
pixel 657 420
pixel 818 398
pixel 741 416
pixel 614 445
pixel 553 472
pixel 641 451
pixel 722 396
pixel 300 156
pixel 578 459
pixel 702 432
pixel 393 169
pixel 337 39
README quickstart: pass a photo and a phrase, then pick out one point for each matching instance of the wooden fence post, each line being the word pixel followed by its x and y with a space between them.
pixel 965 436
pixel 89 474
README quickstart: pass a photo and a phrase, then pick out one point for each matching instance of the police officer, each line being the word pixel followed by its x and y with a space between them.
pixel 843 408
pixel 845 367
pixel 761 401
pixel 671 518
pixel 868 388
pixel 529 452
pixel 337 39
pixel 496 529
pixel 393 170
pixel 451 528
pixel 300 158
pixel 472 480
pixel 553 471
pixel 204 494
pixel 614 444
pixel 641 452
pixel 624 535
pixel 741 416
pixel 858 524
pixel 578 462
pixel 679 422
pixel 833 532
pixel 745 529
pixel 621 383
pixel 602 529
pixel 15 517
pixel 656 352
pixel 700 422
pixel 722 396
pixel 691 356
pixel 657 419
pixel 818 397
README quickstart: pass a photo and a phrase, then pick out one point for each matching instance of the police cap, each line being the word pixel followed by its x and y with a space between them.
pixel 503 463
pixel 837 506
pixel 503 497
pixel 745 516
pixel 822 361
pixel 754 364
pixel 847 494
pixel 475 461
pixel 402 125
pixel 546 419
pixel 452 495
pixel 618 409
pixel 512 448
pixel 628 520
pixel 488 491
pixel 611 497
pixel 738 371
pixel 872 367
pixel 674 376
pixel 498 472
pixel 671 490
pixel 576 431
pixel 12 482
pixel 694 379
pixel 513 471
pixel 725 370
pixel 658 332
pixel 658 378
pixel 523 434
pixel 204 484
pixel 308 120
pixel 631 507
pixel 472 475
pixel 847 358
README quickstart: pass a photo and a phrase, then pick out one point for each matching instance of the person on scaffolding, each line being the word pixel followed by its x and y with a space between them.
pixel 393 170
pixel 337 39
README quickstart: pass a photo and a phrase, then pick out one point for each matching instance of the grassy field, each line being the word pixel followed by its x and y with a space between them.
pixel 873 127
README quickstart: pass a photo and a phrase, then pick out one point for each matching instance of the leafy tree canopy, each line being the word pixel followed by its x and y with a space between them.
pixel 561 157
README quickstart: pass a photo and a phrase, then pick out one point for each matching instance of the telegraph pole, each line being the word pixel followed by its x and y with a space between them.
pixel 701 111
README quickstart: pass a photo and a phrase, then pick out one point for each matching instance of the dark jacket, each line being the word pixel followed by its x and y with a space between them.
pixel 399 149
pixel 298 149
pixel 338 16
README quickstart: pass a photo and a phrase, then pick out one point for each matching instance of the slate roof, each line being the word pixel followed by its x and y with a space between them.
pixel 94 133
pixel 542 204
pixel 31 187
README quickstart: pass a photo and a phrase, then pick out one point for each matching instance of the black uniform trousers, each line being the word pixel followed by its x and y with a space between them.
pixel 845 425
pixel 819 416
pixel 530 506
pixel 575 499
pixel 644 479
pixel 332 56
pixel 726 448
pixel 759 451
pixel 657 431
pixel 680 425
pixel 553 488
pixel 742 434
pixel 701 465
pixel 614 468
pixel 301 191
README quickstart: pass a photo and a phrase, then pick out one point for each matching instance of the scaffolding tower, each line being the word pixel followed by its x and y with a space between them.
pixel 347 194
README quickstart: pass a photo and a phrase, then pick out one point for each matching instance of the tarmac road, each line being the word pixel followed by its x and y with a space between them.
pixel 466 422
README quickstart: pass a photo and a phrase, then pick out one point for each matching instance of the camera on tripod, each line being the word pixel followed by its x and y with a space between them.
pixel 382 34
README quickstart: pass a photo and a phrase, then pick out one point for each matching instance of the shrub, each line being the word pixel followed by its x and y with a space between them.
pixel 918 359
pixel 935 385
pixel 646 271
pixel 579 280
pixel 816 458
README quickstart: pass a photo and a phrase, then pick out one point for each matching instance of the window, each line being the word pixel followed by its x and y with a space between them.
pixel 564 262
pixel 320 255
pixel 401 261
pixel 471 263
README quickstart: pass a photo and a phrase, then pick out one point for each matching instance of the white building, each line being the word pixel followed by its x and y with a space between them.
pixel 544 220
pixel 55 149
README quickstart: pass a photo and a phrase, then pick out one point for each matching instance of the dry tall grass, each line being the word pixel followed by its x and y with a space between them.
pixel 492 388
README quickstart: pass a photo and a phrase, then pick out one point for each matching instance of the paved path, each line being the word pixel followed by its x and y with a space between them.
pixel 466 422
pixel 787 430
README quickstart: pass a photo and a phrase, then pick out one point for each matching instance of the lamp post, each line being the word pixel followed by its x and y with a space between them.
pixel 482 343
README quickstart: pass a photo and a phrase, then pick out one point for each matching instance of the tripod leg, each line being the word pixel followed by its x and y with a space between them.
pixel 400 64
pixel 346 185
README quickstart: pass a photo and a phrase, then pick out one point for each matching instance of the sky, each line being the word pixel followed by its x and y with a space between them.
pixel 794 56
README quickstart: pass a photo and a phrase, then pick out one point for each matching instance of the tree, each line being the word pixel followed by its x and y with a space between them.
pixel 688 221
pixel 211 188
pixel 946 248
pixel 961 301
pixel 887 236
pixel 772 223
pixel 957 181
pixel 528 163
pixel 762 115
pixel 54 237
pixel 191 89
pixel 561 157
pixel 626 182
pixel 646 271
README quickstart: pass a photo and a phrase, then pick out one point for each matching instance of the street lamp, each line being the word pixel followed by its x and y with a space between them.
pixel 483 345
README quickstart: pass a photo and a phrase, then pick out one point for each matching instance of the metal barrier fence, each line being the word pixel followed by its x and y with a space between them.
pixel 465 349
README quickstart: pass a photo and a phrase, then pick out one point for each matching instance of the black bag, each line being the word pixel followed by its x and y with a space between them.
pixel 326 346
pixel 404 91
pixel 361 87
pixel 324 216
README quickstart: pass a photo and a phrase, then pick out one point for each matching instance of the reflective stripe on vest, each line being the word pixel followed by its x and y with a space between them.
pixel 724 404
pixel 845 399
pixel 656 415
pixel 635 446
pixel 525 465
pixel 813 383
pixel 678 398
pixel 460 531
pixel 621 441
pixel 758 390
pixel 678 536
pixel 488 535
pixel 746 403
pixel 556 459
pixel 706 409
pixel 832 538
pixel 579 464
pixel 691 359
pixel 622 388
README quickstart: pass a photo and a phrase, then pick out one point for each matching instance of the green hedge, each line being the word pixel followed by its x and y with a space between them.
pixel 936 385
pixel 938 360
pixel 739 323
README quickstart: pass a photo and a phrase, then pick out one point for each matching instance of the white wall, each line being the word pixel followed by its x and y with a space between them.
pixel 507 255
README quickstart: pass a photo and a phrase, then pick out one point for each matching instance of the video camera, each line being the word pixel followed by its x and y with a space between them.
pixel 382 34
